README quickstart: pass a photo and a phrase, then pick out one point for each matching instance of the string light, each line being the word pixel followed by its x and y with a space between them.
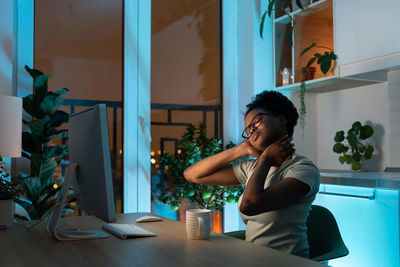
pixel 153 160
pixel 55 186
pixel 152 153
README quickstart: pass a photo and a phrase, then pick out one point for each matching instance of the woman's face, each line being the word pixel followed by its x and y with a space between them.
pixel 265 128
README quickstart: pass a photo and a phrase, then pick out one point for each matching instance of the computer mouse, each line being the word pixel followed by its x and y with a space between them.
pixel 148 218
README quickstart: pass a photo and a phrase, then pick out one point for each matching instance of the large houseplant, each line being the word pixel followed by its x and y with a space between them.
pixel 41 145
pixel 353 151
pixel 10 189
pixel 175 190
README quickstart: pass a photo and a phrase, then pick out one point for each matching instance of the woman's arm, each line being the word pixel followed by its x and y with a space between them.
pixel 214 169
pixel 256 199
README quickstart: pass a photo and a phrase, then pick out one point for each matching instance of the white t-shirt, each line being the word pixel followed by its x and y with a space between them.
pixel 283 229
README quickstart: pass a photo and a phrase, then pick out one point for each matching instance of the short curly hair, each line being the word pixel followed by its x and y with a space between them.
pixel 277 104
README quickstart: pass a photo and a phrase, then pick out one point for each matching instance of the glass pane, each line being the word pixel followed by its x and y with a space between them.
pixel 79 43
pixel 283 54
pixel 315 27
pixel 185 72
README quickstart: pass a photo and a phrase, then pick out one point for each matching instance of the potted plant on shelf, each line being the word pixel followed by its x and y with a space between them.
pixel 353 152
pixel 324 60
pixel 41 145
pixel 10 189
pixel 176 191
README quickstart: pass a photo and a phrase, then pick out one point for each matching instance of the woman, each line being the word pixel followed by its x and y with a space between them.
pixel 280 184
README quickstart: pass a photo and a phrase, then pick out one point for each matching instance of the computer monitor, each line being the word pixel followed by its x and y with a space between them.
pixel 89 172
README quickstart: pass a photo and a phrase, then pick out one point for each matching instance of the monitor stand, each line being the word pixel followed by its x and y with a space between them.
pixel 69 234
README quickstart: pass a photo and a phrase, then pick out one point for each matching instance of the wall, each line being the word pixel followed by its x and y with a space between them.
pixel 185 63
pixel 247 70
pixel 6 37
pixel 329 112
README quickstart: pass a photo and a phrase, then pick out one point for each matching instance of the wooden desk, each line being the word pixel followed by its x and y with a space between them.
pixel 19 247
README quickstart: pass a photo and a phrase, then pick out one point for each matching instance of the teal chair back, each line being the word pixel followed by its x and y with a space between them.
pixel 324 237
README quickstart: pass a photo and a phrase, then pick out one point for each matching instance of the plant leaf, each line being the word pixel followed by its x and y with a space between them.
pixel 50 104
pixel 47 168
pixel 55 152
pixel 262 24
pixel 348 159
pixel 61 134
pixel 339 137
pixel 356 127
pixel 33 72
pixel 61 91
pixel 338 148
pixel 366 131
pixel 352 139
pixel 342 159
pixel 299 4
pixel 270 7
pixel 58 118
pixel 307 49
pixel 325 64
pixel 368 154
pixel 311 61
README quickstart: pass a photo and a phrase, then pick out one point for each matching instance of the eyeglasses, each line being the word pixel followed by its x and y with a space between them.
pixel 257 120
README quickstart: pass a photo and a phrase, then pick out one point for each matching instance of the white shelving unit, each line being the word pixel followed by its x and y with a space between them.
pixel 330 22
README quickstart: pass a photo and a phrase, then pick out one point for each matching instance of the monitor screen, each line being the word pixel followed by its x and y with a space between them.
pixel 89 148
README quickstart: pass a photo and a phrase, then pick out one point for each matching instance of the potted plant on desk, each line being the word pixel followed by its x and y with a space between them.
pixel 10 189
pixel 176 191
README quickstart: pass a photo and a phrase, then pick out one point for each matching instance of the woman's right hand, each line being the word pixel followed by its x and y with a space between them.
pixel 249 150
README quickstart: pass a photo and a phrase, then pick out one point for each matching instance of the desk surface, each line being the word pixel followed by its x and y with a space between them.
pixel 20 247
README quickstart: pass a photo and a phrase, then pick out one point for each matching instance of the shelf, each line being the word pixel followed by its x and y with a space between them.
pixel 314 7
pixel 333 83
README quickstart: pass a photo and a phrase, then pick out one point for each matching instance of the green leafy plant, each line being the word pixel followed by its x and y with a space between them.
pixel 354 150
pixel 324 60
pixel 39 145
pixel 174 189
pixel 9 188
pixel 280 5
pixel 303 109
pixel 325 63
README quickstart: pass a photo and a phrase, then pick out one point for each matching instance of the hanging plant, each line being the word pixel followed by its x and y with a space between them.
pixel 279 5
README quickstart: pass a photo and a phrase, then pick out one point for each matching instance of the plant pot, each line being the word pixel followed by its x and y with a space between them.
pixel 308 72
pixel 7 209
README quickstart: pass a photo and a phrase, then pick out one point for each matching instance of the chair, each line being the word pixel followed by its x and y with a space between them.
pixel 241 234
pixel 324 237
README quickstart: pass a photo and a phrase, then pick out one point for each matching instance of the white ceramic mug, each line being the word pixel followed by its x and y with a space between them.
pixel 198 223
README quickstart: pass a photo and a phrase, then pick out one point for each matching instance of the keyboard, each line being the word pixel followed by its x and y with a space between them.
pixel 123 230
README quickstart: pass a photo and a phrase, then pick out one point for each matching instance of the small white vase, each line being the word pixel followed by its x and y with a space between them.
pixel 7 209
